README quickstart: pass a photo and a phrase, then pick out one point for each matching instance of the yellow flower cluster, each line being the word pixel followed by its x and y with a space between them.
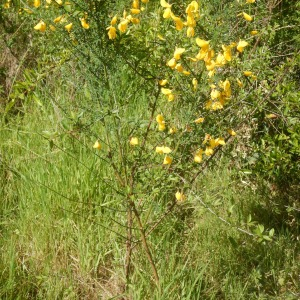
pixel 192 13
pixel 125 20
pixel 161 122
pixel 209 150
pixel 219 95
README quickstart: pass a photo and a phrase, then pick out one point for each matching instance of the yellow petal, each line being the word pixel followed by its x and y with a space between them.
pixel 163 82
pixel 161 126
pixel 247 17
pixel 198 158
pixel 241 45
pixel 112 32
pixel 199 120
pixel 167 160
pixel 166 91
pixel 84 24
pixel 195 83
pixel 37 3
pixel 179 196
pixel 135 11
pixel 178 52
pixel 209 151
pixel 41 26
pixel 167 13
pixel 164 4
pixel 123 25
pixel 202 43
pixel 248 73
pixel 190 32
pixel 231 132
pixel 97 145
pixel 171 63
pixel 173 130
pixel 250 1
pixel 240 84
pixel 58 19
pixel 134 141
pixel 114 20
pixel 171 97
pixel 254 32
pixel 159 118
pixel 69 26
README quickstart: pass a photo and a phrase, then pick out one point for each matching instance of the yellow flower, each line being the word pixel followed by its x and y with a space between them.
pixel 247 17
pixel 173 130
pixel 59 2
pixel 37 3
pixel 240 84
pixel 210 65
pixel 164 4
pixel 254 32
pixel 112 32
pixel 134 141
pixel 179 68
pixel 167 13
pixel 135 21
pixel 271 116
pixel 250 1
pixel 199 120
pixel 135 4
pixel 160 118
pixel 97 145
pixel 195 83
pixel 202 43
pixel 58 19
pixel 167 160
pixel 84 24
pixel 161 37
pixel 178 22
pixel 166 91
pixel 69 26
pixel 41 26
pixel 198 156
pixel 209 151
pixel 179 196
pixel 114 20
pixel 248 73
pixel 178 52
pixel 227 52
pixel 231 132
pixel 161 126
pixel 123 25
pixel 216 105
pixel 226 87
pixel 28 11
pixel 171 63
pixel 215 94
pixel 163 82
pixel 145 1
pixel 170 97
pixel 135 11
pixel 241 45
pixel 220 60
pixel 190 32
pixel 52 28
pixel 163 150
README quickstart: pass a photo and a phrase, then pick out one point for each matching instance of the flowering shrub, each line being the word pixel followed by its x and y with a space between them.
pixel 199 69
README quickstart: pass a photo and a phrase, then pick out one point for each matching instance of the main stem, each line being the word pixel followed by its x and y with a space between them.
pixel 144 242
